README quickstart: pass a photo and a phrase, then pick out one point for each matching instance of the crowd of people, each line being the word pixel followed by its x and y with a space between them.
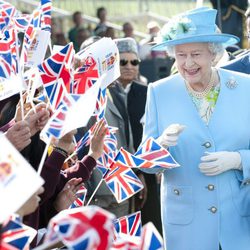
pixel 199 114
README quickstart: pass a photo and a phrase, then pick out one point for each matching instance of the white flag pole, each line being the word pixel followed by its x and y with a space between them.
pixel 199 3
pixel 93 194
pixel 43 157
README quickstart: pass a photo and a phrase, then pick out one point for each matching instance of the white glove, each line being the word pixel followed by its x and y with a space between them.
pixel 170 135
pixel 218 162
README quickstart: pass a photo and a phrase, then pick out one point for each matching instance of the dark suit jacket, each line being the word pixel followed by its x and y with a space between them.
pixel 240 64
pixel 136 108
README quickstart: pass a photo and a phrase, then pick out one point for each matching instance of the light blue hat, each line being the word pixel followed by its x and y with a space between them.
pixel 194 26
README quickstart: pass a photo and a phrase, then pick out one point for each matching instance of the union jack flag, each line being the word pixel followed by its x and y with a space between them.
pixel 151 239
pixel 81 196
pixel 55 91
pixel 126 242
pixel 7 9
pixel 104 162
pixel 56 67
pixel 110 141
pixel 85 76
pixel 30 33
pixel 55 125
pixel 85 140
pixel 121 180
pixel 9 48
pixel 46 7
pixel 5 69
pixel 4 22
pixel 133 161
pixel 15 235
pixel 101 104
pixel 110 147
pixel 151 151
pixel 22 22
pixel 109 151
pixel 6 58
pixel 84 228
pixel 129 224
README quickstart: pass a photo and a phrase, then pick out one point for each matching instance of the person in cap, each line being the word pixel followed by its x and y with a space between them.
pixel 202 116
pixel 135 93
pixel 116 115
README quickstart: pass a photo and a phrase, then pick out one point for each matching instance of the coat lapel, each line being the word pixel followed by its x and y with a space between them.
pixel 111 106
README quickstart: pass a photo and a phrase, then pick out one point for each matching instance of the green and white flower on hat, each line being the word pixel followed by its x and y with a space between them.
pixel 177 28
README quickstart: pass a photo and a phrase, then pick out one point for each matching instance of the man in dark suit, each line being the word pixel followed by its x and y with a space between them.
pixel 242 62
pixel 136 94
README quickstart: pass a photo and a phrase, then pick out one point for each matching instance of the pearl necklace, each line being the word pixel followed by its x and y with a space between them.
pixel 203 93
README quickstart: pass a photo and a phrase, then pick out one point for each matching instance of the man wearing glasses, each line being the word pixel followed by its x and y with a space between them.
pixel 133 93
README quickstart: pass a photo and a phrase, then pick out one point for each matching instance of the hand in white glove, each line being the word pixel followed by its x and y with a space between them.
pixel 170 135
pixel 219 162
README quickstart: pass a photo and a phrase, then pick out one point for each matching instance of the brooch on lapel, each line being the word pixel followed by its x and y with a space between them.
pixel 231 83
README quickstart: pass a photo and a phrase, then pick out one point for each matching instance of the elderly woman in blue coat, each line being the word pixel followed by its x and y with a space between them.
pixel 202 115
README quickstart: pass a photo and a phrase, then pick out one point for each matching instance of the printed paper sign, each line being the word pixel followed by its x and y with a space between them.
pixel 18 180
pixel 10 87
pixel 106 54
pixel 37 48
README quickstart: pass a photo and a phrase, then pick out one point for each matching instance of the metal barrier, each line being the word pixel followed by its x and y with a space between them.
pixel 64 17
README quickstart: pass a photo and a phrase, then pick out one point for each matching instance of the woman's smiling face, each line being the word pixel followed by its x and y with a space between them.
pixel 194 62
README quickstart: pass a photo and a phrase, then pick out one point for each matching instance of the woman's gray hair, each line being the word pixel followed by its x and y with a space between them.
pixel 215 48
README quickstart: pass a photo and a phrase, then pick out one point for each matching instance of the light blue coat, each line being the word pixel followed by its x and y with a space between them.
pixel 199 212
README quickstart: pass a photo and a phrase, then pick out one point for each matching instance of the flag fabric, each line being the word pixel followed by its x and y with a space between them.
pixel 46 7
pixel 151 239
pixel 55 91
pixel 85 228
pixel 109 151
pixel 22 22
pixel 85 140
pixel 132 161
pixel 33 82
pixel 4 22
pixel 30 33
pixel 72 118
pixel 108 59
pixel 104 162
pixel 5 69
pixel 81 197
pixel 126 242
pixel 121 180
pixel 6 9
pixel 149 155
pixel 56 66
pixel 85 76
pixel 5 51
pixel 40 19
pixel 151 151
pixel 55 125
pixel 110 140
pixel 129 224
pixel 15 235
pixel 9 46
pixel 101 104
